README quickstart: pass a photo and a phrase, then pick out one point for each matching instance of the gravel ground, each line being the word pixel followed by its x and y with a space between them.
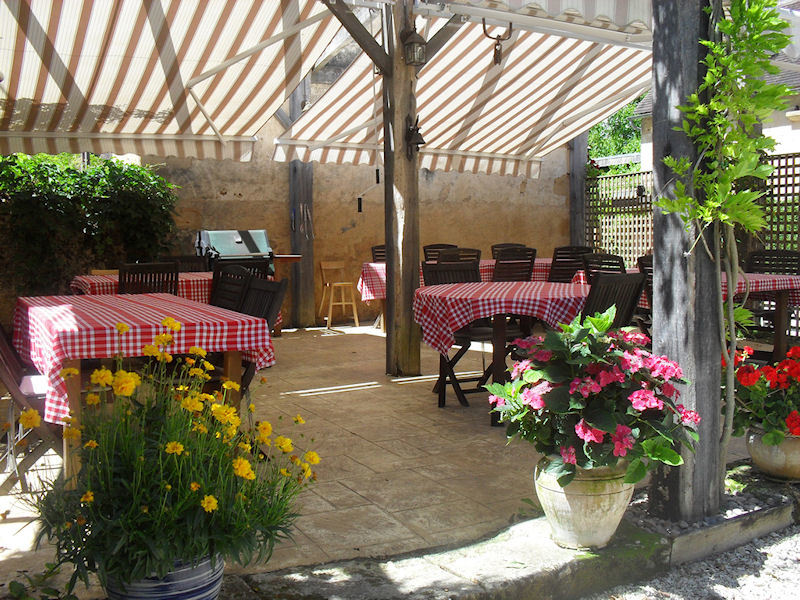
pixel 767 568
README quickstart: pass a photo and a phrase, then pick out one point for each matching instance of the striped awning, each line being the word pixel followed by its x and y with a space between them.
pixel 182 78
pixel 476 116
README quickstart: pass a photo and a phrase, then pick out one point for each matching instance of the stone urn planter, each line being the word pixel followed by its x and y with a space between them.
pixel 782 461
pixel 202 581
pixel 587 511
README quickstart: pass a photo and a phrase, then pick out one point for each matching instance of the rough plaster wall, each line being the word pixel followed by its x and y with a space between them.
pixel 470 210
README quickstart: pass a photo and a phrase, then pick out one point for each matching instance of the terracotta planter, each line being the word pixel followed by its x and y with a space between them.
pixel 185 582
pixel 587 512
pixel 781 461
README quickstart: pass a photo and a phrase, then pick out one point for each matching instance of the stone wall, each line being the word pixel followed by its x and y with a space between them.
pixel 469 210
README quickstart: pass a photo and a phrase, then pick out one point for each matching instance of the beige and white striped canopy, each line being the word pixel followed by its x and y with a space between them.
pixel 165 77
pixel 476 116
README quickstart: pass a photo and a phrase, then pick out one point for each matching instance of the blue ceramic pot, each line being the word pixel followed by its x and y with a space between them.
pixel 185 582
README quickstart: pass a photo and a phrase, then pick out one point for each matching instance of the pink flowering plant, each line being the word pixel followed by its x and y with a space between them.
pixel 587 397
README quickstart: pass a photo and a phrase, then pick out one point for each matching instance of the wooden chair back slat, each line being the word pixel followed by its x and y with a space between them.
pixel 431 251
pixel 599 262
pixel 514 263
pixel 776 262
pixel 379 253
pixel 451 272
pixel 228 285
pixel 496 248
pixel 622 290
pixel 645 264
pixel 458 254
pixel 566 262
pixel 263 298
pixel 188 263
pixel 148 278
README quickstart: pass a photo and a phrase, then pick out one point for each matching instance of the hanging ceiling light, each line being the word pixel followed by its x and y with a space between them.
pixel 413 47
pixel 498 47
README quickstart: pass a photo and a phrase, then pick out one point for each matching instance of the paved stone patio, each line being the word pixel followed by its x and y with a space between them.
pixel 397 474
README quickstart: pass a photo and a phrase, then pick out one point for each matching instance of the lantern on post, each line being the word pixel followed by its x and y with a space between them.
pixel 413 47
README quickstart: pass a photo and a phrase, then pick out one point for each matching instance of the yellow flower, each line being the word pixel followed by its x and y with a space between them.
pixel 192 403
pixel 311 457
pixel 189 361
pixel 194 486
pixel 122 328
pixel 165 357
pixel 90 444
pixel 30 418
pixel 71 433
pixel 68 372
pixel 264 428
pixel 299 420
pixel 208 366
pixel 230 385
pixel 263 439
pixel 197 351
pixel 245 446
pixel 88 497
pixel 125 383
pixel 172 324
pixel 284 444
pixel 242 468
pixel 163 339
pixel 294 459
pixel 225 413
pixel 197 372
pixel 200 427
pixel 102 376
pixel 167 486
pixel 251 407
pixel 173 448
pixel 209 503
pixel 285 473
pixel 92 399
pixel 306 470
pixel 263 379
pixel 150 350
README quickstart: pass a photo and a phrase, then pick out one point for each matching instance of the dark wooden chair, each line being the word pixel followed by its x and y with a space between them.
pixel 514 263
pixel 459 254
pixel 263 298
pixel 26 390
pixel 600 262
pixel 431 251
pixel 188 263
pixel 148 278
pixel 622 290
pixel 379 253
pixel 229 285
pixel 258 267
pixel 477 331
pixel 496 248
pixel 776 262
pixel 567 260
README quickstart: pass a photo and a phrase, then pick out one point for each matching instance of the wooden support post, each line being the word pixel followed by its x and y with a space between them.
pixel 401 201
pixel 685 314
pixel 578 148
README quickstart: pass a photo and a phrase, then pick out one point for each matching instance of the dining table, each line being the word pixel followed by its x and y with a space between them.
pixel 194 285
pixel 443 309
pixel 57 332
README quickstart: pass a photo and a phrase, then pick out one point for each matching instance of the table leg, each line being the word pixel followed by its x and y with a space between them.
pixel 781 324
pixel 498 356
pixel 72 462
pixel 232 370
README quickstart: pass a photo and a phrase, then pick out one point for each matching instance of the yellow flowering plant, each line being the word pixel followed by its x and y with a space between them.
pixel 169 471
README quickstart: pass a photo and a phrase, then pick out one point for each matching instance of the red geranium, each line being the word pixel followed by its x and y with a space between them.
pixel 793 422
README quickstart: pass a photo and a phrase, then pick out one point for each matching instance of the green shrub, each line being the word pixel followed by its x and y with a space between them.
pixel 59 217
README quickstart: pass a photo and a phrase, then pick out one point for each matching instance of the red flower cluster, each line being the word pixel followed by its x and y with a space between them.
pixel 780 376
pixel 793 423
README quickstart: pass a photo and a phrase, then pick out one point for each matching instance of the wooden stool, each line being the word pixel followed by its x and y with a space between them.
pixel 332 280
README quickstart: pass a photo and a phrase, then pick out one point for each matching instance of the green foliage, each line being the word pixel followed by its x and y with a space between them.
pixel 59 218
pixel 722 118
pixel 169 472
pixel 587 397
pixel 621 133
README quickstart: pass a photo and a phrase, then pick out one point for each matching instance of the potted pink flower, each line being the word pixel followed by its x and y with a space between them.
pixel 602 409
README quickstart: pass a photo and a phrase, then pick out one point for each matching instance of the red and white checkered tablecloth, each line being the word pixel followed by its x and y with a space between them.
pixel 765 282
pixel 372 283
pixel 49 330
pixel 443 309
pixel 191 285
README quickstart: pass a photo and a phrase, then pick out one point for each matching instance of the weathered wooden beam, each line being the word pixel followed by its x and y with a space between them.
pixel 441 37
pixel 685 314
pixel 360 35
pixel 401 203
pixel 578 148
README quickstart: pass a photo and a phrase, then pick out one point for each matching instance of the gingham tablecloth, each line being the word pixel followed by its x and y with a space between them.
pixel 194 286
pixel 372 283
pixel 49 330
pixel 765 282
pixel 443 309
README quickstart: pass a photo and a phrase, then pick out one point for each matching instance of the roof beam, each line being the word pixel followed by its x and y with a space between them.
pixel 360 34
